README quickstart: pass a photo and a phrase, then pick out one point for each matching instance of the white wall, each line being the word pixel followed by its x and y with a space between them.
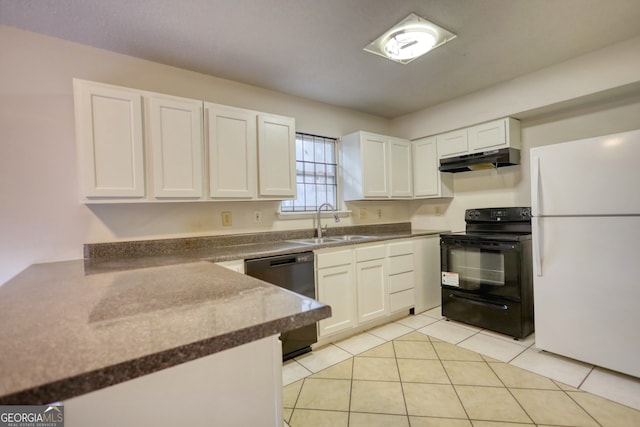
pixel 602 70
pixel 593 95
pixel 40 217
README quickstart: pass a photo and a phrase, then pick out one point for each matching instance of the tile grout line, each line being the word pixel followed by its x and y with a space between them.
pixel 512 395
pixel 353 367
pixel 404 398
pixel 581 407
pixel 518 355
pixel 593 368
pixel 449 378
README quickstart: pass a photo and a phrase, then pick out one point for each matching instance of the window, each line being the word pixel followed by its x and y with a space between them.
pixel 316 174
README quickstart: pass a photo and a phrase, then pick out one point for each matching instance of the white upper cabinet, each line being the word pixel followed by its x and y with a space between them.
pixel 276 156
pixel 176 144
pixel 375 167
pixel 401 177
pixel 137 146
pixel 428 181
pixel 494 135
pixel 232 142
pixel 375 180
pixel 501 133
pixel 452 144
pixel 109 141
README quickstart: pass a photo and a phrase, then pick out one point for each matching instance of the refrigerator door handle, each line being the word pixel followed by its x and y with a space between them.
pixel 536 236
pixel 535 186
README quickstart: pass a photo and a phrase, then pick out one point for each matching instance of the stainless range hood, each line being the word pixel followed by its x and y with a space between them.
pixel 485 160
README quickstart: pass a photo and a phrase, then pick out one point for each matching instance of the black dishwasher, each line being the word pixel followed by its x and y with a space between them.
pixel 293 272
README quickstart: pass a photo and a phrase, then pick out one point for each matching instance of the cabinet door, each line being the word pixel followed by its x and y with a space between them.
pixel 373 293
pixel 277 156
pixel 427 273
pixel 453 143
pixel 232 152
pixel 375 179
pixel 175 137
pixel 428 181
pixel 401 178
pixel 109 140
pixel 426 176
pixel 488 136
pixel 336 287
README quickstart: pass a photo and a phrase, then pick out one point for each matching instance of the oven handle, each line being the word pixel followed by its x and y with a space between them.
pixel 484 303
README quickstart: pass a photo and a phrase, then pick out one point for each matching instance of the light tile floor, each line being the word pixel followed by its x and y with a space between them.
pixel 425 371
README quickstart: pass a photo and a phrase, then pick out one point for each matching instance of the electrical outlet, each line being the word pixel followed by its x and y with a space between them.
pixel 227 219
pixel 257 216
pixel 363 213
pixel 438 210
pixel 379 212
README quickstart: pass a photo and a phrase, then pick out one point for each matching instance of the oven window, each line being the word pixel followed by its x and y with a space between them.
pixel 476 266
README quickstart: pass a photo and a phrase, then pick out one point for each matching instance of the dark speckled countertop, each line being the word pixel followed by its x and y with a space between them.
pixel 117 256
pixel 133 308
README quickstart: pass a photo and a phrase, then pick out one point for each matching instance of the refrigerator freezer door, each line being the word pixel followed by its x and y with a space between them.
pixel 587 292
pixel 596 176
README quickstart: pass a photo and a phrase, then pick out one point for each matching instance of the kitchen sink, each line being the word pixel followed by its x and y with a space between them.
pixel 314 240
pixel 349 237
pixel 329 239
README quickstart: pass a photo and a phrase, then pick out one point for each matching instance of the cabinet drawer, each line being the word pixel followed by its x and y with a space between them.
pixel 334 259
pixel 370 252
pixel 400 248
pixel 401 282
pixel 400 264
pixel 402 300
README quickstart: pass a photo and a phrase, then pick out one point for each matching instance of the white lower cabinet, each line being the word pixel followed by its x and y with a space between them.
pixel 364 285
pixel 428 291
pixel 336 287
pixel 401 275
pixel 371 283
pixel 212 390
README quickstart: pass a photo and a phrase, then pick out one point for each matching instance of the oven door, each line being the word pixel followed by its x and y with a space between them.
pixel 485 268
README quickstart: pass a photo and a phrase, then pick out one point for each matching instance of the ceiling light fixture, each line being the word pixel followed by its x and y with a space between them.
pixel 408 39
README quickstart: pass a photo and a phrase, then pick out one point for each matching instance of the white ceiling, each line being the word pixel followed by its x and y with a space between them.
pixel 313 48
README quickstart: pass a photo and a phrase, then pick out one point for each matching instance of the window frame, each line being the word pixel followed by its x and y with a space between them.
pixel 282 213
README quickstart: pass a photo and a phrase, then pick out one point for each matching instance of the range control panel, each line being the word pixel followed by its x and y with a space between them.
pixel 512 214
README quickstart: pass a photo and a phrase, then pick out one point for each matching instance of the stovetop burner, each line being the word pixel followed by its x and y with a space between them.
pixel 500 224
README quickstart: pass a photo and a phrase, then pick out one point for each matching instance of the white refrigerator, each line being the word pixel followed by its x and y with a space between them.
pixel 585 202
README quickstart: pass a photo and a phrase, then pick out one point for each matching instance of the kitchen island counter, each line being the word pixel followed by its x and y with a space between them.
pixel 65 333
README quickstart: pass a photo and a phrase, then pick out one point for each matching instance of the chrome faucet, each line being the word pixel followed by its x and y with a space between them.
pixel 335 215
